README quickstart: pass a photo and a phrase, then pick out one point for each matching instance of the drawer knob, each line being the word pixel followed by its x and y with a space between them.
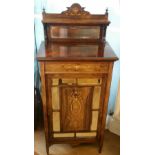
pixel 71 67
pixel 76 67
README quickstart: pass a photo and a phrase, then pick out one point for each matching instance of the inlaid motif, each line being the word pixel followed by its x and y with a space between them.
pixel 76 108
pixel 77 67
pixel 75 10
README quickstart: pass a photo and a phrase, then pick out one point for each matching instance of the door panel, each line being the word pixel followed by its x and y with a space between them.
pixel 76 106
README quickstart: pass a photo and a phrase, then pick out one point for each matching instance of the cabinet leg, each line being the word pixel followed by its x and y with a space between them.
pixel 47 145
pixel 47 149
pixel 100 145
pixel 100 148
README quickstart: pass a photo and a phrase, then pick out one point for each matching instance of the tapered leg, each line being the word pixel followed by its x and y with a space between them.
pixel 100 146
pixel 100 149
pixel 104 105
pixel 47 149
pixel 43 89
pixel 47 142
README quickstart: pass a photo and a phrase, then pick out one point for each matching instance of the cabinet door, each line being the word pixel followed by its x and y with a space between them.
pixel 76 105
pixel 73 106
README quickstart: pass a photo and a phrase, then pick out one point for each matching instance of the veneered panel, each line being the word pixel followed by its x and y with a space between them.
pixel 68 81
pixel 96 97
pixel 55 98
pixel 94 120
pixel 76 107
pixel 90 81
pixel 56 121
pixel 86 134
pixel 63 135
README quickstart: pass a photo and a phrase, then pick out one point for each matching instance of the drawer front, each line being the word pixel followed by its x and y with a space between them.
pixel 52 67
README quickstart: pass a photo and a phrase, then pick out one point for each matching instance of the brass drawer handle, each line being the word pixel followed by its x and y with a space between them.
pixel 76 67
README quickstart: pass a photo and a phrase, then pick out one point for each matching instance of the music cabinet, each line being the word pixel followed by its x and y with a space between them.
pixel 76 66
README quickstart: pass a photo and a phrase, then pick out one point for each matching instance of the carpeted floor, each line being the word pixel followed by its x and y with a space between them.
pixel 111 146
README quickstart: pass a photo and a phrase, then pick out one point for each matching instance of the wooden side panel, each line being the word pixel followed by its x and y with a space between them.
pixel 76 107
pixel 43 93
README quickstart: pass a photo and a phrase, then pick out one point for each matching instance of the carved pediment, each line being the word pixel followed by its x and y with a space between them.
pixel 75 10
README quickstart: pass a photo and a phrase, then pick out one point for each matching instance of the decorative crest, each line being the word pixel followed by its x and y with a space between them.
pixel 75 10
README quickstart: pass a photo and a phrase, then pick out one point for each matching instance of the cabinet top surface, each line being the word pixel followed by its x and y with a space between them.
pixel 76 52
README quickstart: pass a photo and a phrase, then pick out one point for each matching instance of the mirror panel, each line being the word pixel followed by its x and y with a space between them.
pixel 75 32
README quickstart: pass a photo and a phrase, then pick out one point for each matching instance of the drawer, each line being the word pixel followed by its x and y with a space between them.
pixel 55 67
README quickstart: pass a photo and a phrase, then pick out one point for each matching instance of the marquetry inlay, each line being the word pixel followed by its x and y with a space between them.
pixel 77 67
pixel 76 104
pixel 75 10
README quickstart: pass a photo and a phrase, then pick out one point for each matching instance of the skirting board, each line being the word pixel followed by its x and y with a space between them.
pixel 113 125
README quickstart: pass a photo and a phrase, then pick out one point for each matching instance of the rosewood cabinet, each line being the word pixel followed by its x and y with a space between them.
pixel 76 66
